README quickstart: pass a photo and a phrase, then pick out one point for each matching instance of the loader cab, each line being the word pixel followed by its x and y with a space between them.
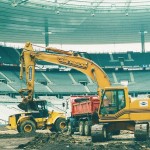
pixel 41 106
pixel 113 101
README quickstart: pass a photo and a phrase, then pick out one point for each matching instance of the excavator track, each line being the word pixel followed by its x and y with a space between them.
pixel 141 131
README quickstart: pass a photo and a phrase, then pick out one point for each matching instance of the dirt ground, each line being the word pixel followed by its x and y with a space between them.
pixel 44 140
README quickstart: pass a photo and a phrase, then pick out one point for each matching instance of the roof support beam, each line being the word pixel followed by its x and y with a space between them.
pixel 94 5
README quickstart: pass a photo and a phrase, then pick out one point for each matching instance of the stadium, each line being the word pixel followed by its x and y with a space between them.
pixel 114 35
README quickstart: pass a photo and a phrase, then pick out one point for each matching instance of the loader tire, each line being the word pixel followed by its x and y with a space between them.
pixel 18 129
pixel 27 126
pixel 60 124
pixel 52 129
pixel 81 128
pixel 87 128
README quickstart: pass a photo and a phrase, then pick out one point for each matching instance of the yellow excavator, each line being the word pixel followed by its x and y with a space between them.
pixel 117 111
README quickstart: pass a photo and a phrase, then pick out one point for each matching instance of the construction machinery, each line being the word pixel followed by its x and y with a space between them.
pixel 37 118
pixel 111 116
pixel 83 114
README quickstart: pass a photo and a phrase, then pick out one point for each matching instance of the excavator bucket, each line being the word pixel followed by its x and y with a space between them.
pixel 27 105
pixel 23 106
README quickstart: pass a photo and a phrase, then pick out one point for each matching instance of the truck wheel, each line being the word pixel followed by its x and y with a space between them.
pixel 81 128
pixel 103 134
pixel 27 126
pixel 87 128
pixel 60 124
pixel 70 130
pixel 99 134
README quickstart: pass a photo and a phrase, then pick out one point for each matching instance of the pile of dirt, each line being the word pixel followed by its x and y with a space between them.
pixel 123 146
pixel 61 141
pixel 53 141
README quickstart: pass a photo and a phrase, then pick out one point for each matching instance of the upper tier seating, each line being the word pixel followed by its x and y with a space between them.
pixel 55 82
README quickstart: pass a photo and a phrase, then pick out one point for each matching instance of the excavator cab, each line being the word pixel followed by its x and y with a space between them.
pixel 113 101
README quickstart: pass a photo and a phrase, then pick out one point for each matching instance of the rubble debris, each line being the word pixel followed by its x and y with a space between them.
pixel 61 141
pixel 54 141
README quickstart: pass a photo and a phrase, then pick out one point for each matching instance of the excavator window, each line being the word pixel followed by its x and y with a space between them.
pixel 112 102
pixel 121 99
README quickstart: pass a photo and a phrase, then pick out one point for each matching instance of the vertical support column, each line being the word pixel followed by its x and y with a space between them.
pixel 142 32
pixel 143 41
pixel 46 33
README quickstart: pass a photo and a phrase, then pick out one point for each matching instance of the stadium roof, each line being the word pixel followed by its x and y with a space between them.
pixel 74 21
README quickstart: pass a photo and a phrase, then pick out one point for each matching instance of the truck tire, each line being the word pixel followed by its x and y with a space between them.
pixel 99 133
pixel 60 124
pixel 27 126
pixel 87 128
pixel 105 135
pixel 81 128
pixel 70 130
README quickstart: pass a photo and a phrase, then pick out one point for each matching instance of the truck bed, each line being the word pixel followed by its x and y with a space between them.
pixel 85 105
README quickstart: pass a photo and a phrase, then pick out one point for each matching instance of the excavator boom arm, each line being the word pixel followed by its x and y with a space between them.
pixel 86 66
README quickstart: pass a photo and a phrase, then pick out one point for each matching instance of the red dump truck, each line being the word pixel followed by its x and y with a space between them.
pixel 83 114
